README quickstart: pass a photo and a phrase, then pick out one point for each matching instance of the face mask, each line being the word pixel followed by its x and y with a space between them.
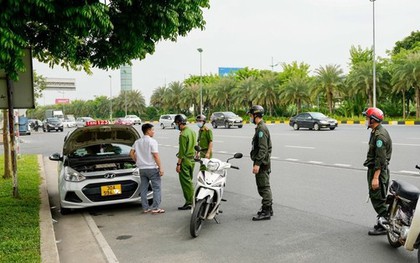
pixel 177 127
pixel 200 124
pixel 251 120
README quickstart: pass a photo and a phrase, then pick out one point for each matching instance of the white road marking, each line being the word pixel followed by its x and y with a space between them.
pixel 342 164
pixel 406 144
pixel 315 162
pixel 299 147
pixel 275 158
pixel 290 159
pixel 408 172
pixel 222 152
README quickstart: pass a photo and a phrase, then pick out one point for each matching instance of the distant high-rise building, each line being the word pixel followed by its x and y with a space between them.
pixel 126 78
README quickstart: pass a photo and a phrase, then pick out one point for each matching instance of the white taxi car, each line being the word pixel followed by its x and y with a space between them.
pixel 95 167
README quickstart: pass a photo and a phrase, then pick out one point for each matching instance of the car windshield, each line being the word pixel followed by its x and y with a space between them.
pixel 318 115
pixel 230 114
pixel 101 150
pixel 53 120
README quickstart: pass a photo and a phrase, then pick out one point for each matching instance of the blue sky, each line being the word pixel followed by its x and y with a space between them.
pixel 247 33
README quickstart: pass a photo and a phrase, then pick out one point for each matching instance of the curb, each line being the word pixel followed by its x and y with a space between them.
pixel 49 251
pixel 106 249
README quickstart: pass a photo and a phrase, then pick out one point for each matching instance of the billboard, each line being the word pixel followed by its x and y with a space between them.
pixel 60 83
pixel 62 101
pixel 226 71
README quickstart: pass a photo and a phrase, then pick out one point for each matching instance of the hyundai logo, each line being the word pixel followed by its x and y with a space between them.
pixel 109 176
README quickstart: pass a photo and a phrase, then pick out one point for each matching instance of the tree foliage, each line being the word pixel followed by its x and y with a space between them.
pixel 84 34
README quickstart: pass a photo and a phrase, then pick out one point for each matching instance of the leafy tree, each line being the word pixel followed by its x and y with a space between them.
pixel 408 43
pixel 359 55
pixel 80 34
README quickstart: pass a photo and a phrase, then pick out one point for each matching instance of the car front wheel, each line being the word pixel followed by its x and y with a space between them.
pixel 332 128
pixel 316 127
pixel 162 126
pixel 214 125
pixel 295 126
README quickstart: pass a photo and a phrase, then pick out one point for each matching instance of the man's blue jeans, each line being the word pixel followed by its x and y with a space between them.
pixel 153 176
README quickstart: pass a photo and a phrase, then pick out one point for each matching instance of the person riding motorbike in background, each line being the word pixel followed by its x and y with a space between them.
pixel 204 140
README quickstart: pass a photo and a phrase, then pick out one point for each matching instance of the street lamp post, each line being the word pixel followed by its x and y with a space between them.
pixel 272 64
pixel 201 81
pixel 374 56
pixel 110 97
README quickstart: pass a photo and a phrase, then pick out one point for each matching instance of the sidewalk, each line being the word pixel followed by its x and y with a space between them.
pixel 71 238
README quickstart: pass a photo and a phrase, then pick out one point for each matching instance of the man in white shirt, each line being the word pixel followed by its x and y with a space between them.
pixel 146 155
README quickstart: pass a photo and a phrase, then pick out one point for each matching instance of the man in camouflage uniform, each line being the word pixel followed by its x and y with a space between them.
pixel 185 163
pixel 377 161
pixel 260 155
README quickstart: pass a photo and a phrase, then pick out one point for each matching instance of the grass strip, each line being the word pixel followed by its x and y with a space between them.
pixel 19 217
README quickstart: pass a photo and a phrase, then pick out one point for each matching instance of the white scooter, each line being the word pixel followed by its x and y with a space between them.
pixel 209 191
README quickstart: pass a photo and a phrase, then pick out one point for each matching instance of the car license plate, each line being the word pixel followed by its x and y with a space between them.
pixel 114 189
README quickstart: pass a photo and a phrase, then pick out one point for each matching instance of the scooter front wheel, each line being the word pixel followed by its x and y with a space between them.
pixel 197 217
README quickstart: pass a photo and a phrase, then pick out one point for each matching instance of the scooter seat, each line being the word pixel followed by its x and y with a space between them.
pixel 405 190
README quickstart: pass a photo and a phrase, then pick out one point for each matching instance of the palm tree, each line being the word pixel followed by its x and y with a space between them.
pixel 327 82
pixel 242 95
pixel 406 75
pixel 190 97
pixel 172 97
pixel 295 90
pixel 360 80
pixel 267 91
pixel 130 101
pixel 156 100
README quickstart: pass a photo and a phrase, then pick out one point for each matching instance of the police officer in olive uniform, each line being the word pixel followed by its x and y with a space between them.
pixel 377 161
pixel 260 155
pixel 185 164
pixel 204 140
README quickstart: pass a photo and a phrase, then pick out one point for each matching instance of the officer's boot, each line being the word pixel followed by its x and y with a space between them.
pixel 263 215
pixel 270 209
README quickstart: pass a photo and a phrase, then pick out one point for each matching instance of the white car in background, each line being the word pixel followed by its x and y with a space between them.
pixel 134 119
pixel 95 168
pixel 168 121
pixel 81 121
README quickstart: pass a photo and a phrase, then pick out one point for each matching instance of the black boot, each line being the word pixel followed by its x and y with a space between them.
pixel 263 215
pixel 270 208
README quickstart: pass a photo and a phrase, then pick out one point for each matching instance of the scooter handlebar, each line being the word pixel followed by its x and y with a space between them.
pixel 234 167
pixel 418 167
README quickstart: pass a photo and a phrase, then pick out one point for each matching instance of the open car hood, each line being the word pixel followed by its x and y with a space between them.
pixel 100 134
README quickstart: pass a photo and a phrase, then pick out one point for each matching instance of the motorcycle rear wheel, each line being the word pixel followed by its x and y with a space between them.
pixel 393 240
pixel 197 218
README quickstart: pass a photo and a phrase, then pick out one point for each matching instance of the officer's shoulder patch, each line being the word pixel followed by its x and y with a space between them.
pixel 379 143
pixel 260 134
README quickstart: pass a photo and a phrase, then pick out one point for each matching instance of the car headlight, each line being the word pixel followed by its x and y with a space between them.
pixel 212 166
pixel 72 175
pixel 136 172
pixel 324 122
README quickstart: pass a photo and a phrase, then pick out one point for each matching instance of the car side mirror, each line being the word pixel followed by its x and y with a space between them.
pixel 55 157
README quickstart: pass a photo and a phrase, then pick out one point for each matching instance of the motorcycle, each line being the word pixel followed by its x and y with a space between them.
pixel 403 223
pixel 208 192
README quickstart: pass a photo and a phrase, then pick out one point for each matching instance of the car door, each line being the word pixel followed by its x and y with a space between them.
pixel 308 121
